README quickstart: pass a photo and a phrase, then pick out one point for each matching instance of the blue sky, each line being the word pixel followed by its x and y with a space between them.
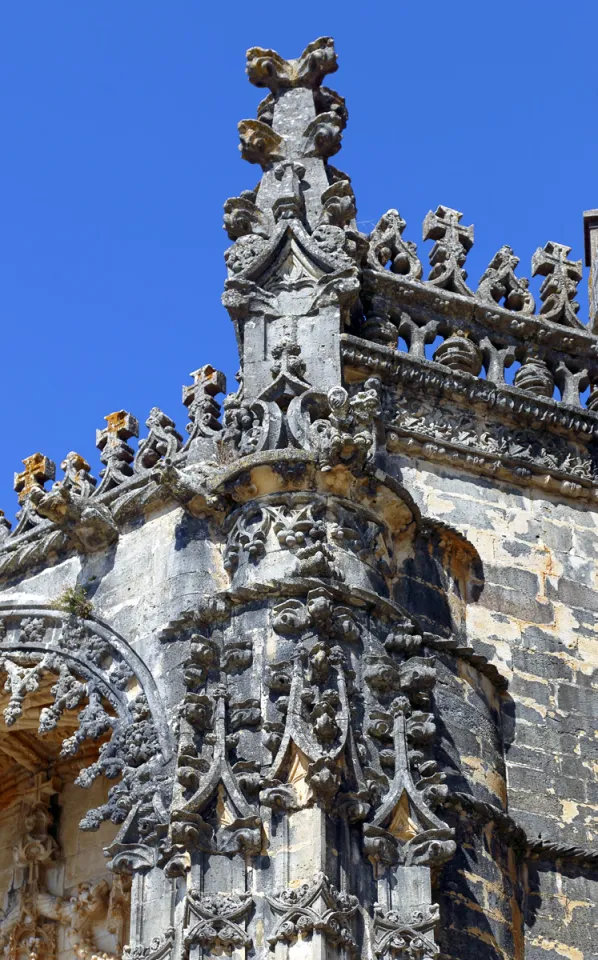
pixel 120 148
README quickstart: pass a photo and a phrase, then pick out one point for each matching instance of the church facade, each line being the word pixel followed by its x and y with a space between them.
pixel 318 678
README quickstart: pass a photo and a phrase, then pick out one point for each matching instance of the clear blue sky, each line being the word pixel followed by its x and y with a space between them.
pixel 120 147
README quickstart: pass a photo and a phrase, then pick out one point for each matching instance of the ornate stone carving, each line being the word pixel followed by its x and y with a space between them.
pixel 387 246
pixel 314 908
pixel 345 433
pixel 453 241
pixel 242 217
pixel 38 469
pixel 200 400
pixel 160 948
pixel 266 68
pixel 31 650
pixel 216 922
pixel 559 288
pixel 34 915
pixel 162 442
pixel 499 284
pixel 401 934
pixel 260 143
pixel 77 475
pixel 116 453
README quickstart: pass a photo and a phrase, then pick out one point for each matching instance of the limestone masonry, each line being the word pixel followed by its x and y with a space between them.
pixel 318 680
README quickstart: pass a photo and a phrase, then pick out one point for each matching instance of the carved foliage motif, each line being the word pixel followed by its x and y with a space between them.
pixel 499 284
pixel 266 68
pixel 312 529
pixel 400 935
pixel 387 246
pixel 347 726
pixel 217 922
pixel 532 451
pixel 315 907
pixel 92 677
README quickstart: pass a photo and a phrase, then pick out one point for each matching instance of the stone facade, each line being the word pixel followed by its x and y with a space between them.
pixel 317 679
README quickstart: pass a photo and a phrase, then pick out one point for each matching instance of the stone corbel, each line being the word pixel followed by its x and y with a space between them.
pixel 88 523
pixel 188 487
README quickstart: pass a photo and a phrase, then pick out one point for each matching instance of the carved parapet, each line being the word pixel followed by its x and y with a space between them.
pixel 502 440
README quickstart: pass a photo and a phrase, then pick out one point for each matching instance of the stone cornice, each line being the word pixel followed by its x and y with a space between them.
pixel 515 835
pixel 424 300
pixel 498 431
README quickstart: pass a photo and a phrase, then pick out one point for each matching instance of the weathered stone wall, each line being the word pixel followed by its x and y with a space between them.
pixel 535 617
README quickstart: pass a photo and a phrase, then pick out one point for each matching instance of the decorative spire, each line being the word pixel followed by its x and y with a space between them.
pixel 116 453
pixel 38 469
pixel 453 241
pixel 299 127
pixel 297 252
pixel 559 289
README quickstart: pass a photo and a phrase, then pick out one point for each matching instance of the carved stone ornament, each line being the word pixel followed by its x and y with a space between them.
pixel 265 68
pixel 499 284
pixel 72 657
pixel 314 908
pixel 217 922
pixel 559 288
pixel 34 916
pixel 453 241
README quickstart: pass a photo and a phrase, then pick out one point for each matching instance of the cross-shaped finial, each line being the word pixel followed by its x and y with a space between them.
pixel 559 289
pixel 121 426
pixel 115 451
pixel 200 400
pixel 205 380
pixel 449 253
pixel 37 470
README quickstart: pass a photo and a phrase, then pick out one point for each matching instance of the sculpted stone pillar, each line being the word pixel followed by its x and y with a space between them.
pixel 303 820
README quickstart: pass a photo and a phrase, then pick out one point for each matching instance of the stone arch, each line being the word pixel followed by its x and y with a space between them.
pixel 100 681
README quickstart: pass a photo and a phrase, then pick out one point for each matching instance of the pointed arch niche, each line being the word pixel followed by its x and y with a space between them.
pixel 71 695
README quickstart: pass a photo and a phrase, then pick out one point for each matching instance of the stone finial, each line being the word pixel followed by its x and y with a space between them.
pixel 266 68
pixel 590 231
pixel 162 442
pixel 387 246
pixel 559 289
pixel 77 474
pixel 299 126
pixel 453 241
pixel 499 284
pixel 37 470
pixel 199 398
pixel 115 451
